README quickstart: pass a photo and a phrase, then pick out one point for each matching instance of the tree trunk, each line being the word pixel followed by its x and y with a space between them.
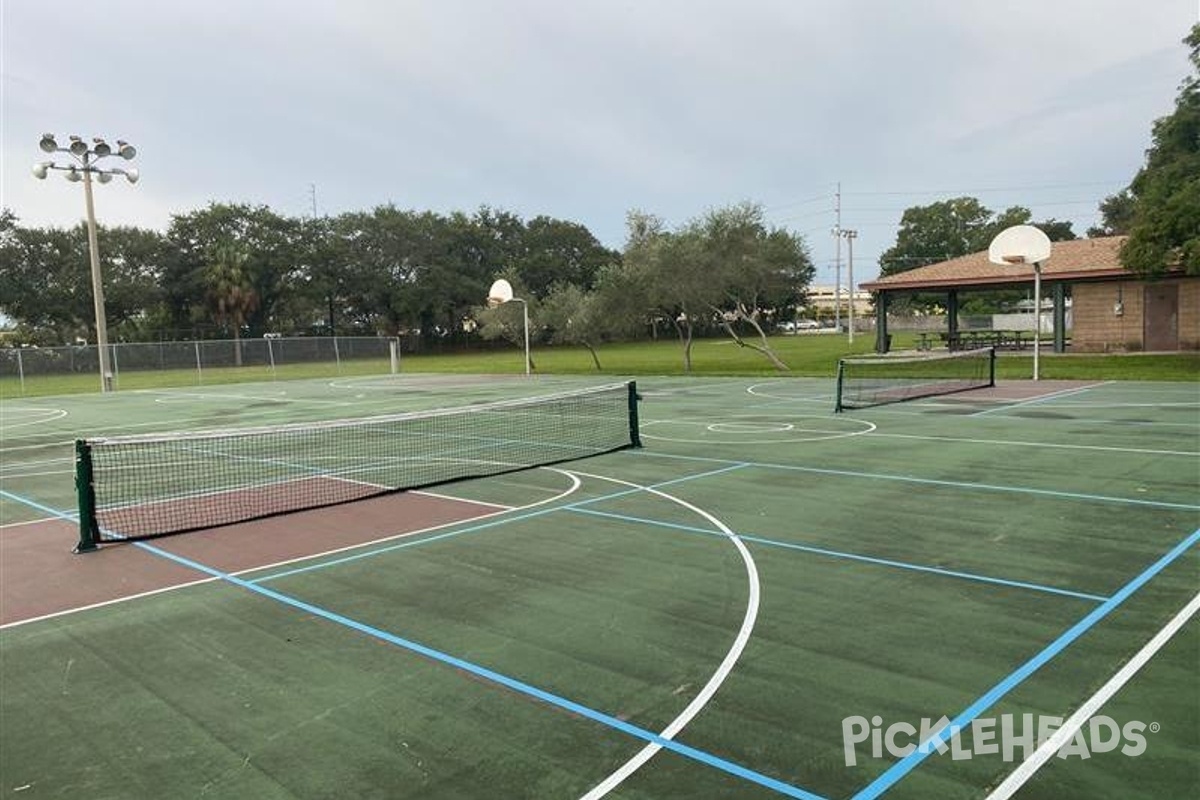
pixel 595 358
pixel 685 337
pixel 764 348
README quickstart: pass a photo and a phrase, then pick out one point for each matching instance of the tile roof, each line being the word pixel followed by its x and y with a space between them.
pixel 1079 258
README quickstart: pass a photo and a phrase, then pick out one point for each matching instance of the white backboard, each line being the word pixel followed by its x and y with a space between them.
pixel 501 292
pixel 1020 244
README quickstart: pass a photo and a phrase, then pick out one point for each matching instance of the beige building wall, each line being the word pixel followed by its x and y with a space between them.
pixel 1099 329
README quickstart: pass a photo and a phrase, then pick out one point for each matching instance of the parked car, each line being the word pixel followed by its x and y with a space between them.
pixel 807 325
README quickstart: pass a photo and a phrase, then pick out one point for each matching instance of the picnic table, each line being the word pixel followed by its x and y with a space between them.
pixel 970 340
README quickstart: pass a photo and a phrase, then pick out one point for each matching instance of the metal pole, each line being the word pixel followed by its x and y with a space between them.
pixel 394 353
pixel 1037 317
pixel 525 315
pixel 837 280
pixel 850 236
pixel 21 370
pixel 97 287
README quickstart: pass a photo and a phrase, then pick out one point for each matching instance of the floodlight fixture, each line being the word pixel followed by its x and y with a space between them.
pixel 83 171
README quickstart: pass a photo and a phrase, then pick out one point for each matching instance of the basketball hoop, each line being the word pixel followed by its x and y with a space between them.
pixel 1025 244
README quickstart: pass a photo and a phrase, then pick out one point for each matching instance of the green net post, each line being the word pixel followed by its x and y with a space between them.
pixel 85 491
pixel 635 436
pixel 837 405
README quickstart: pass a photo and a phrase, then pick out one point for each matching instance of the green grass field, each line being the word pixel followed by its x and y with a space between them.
pixel 908 561
pixel 806 355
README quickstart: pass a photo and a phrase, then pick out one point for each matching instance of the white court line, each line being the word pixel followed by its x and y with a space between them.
pixel 48 415
pixel 1041 398
pixel 1191 453
pixel 8 476
pixel 31 522
pixel 440 496
pixel 1066 733
pixel 723 669
pixel 575 484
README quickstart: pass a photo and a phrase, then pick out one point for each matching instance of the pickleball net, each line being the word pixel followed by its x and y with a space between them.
pixel 138 487
pixel 864 382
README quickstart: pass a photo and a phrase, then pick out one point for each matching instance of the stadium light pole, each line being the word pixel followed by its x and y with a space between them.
pixel 850 236
pixel 84 168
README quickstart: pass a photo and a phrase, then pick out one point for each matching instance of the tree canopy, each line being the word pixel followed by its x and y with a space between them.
pixel 948 229
pixel 1165 227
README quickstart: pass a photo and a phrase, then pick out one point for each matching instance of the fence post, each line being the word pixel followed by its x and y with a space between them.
pixel 394 352
pixel 337 356
pixel 21 370
pixel 199 368
pixel 270 356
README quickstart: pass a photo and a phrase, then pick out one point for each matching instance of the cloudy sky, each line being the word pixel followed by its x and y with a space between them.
pixel 584 109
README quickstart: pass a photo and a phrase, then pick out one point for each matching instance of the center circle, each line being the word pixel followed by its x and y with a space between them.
pixel 750 427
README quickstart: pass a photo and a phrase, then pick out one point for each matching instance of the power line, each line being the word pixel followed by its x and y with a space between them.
pixel 991 189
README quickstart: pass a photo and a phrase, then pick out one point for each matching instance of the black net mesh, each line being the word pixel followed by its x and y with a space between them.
pixel 153 485
pixel 874 381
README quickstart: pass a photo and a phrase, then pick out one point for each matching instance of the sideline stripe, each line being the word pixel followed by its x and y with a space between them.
pixel 971 576
pixel 498 678
pixel 1018 676
pixel 1025 771
pixel 479 671
pixel 846 473
pixel 1039 399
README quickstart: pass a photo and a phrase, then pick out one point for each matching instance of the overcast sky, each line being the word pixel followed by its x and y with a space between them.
pixel 584 109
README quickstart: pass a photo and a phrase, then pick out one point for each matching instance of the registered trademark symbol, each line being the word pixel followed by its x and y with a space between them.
pixel 1155 727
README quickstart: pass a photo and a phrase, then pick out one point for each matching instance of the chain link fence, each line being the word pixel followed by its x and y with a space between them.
pixel 196 357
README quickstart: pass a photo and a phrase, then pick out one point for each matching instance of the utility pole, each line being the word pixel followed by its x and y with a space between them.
pixel 850 236
pixel 837 282
pixel 312 196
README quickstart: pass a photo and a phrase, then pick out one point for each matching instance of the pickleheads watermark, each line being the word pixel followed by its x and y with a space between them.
pixel 1008 735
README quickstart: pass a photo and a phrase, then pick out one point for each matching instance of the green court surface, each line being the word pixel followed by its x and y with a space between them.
pixel 760 571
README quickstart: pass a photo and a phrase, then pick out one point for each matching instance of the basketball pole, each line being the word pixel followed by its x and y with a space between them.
pixel 1037 316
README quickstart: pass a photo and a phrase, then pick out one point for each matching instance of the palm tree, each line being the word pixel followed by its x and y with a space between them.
pixel 229 292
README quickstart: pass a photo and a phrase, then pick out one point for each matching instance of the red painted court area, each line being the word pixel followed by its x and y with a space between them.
pixel 40 576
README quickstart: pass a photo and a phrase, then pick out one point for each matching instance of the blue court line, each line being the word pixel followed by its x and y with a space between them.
pixel 1018 676
pixel 467 666
pixel 846 473
pixel 950 573
pixel 482 526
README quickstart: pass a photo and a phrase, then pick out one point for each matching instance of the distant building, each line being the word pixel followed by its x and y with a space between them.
pixel 822 301
pixel 1114 310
